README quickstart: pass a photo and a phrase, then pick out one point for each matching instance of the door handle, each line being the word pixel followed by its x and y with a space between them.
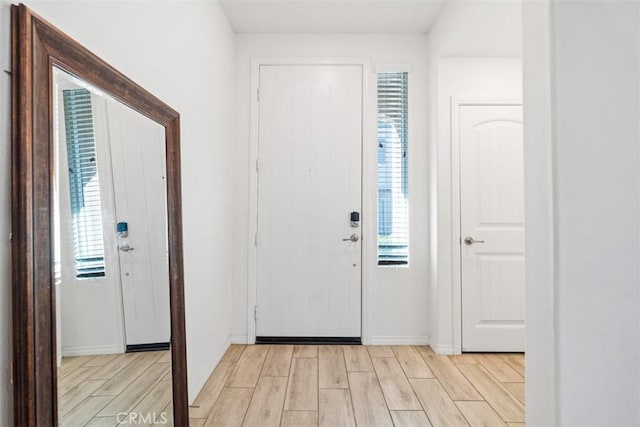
pixel 470 241
pixel 125 248
pixel 353 238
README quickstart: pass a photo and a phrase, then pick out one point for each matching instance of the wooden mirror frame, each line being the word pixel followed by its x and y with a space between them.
pixel 37 47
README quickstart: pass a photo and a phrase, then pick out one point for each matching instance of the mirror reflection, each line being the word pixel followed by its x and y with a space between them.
pixel 111 269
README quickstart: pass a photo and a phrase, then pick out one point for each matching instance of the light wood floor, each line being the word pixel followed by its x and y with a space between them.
pixel 337 386
pixel 93 390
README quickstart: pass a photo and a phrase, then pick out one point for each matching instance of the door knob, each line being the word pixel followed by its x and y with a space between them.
pixel 470 241
pixel 125 248
pixel 353 238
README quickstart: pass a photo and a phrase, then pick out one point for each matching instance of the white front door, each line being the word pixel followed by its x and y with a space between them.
pixel 139 169
pixel 492 227
pixel 309 181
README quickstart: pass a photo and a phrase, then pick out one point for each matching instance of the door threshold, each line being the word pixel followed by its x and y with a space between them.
pixel 156 346
pixel 310 340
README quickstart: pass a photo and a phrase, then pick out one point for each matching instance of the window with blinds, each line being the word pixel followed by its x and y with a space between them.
pixel 393 185
pixel 86 214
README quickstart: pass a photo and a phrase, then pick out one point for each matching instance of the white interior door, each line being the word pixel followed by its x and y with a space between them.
pixel 139 168
pixel 309 180
pixel 492 227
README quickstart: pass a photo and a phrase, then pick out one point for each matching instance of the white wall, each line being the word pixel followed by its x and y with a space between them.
pixel 183 53
pixel 582 103
pixel 477 28
pixel 6 388
pixel 473 51
pixel 398 296
pixel 595 87
pixel 540 275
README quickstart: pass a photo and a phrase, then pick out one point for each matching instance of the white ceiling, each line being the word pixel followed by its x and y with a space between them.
pixel 332 16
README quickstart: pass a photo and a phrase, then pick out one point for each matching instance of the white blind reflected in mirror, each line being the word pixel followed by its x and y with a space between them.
pixel 84 186
pixel 393 188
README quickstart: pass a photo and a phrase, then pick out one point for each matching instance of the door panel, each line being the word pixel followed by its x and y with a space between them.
pixel 138 162
pixel 492 213
pixel 309 180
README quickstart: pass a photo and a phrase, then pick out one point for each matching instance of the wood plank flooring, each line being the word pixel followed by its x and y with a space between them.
pixel 300 386
pixel 93 390
pixel 360 386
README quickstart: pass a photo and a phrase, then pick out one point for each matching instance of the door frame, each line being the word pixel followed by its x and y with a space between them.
pixel 456 213
pixel 368 157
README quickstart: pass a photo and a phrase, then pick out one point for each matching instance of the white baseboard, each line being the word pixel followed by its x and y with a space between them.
pixel 444 349
pixel 238 339
pixel 90 350
pixel 400 340
pixel 197 386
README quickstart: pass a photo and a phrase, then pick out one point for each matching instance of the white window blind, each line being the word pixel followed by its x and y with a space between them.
pixel 86 215
pixel 393 188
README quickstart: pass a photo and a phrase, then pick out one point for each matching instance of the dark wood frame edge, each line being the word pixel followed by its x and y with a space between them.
pixel 36 47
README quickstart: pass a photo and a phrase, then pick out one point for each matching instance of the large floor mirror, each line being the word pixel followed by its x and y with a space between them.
pixel 97 247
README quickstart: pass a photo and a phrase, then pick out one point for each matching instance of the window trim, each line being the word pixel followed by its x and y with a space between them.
pixel 76 186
